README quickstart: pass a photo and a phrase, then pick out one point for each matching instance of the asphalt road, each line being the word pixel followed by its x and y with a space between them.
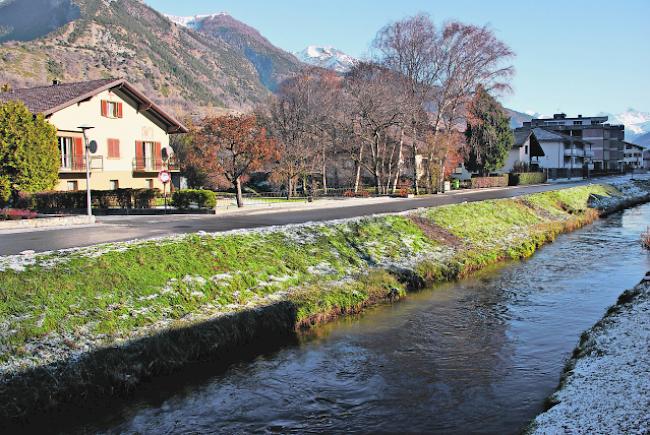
pixel 111 229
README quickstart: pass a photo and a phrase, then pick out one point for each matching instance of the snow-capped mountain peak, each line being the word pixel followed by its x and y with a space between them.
pixel 193 21
pixel 326 57
pixel 635 121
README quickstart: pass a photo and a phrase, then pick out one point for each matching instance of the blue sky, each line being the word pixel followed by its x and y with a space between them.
pixel 575 56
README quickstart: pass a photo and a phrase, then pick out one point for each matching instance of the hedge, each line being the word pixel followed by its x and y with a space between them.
pixel 498 181
pixel 103 199
pixel 523 178
pixel 184 198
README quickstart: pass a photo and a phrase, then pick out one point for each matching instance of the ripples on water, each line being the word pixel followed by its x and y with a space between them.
pixel 480 355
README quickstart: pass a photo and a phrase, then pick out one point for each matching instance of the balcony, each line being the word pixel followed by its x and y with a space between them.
pixel 575 152
pixel 72 164
pixel 151 164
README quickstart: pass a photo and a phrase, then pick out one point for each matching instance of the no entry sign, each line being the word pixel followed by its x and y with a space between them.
pixel 164 177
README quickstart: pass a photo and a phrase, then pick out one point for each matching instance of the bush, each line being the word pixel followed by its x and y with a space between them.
pixel 481 182
pixel 524 178
pixel 184 198
pixel 645 239
pixel 102 199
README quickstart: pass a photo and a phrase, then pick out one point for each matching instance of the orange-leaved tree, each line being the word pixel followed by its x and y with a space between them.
pixel 232 147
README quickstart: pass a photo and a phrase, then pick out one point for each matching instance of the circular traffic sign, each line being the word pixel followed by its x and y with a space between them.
pixel 164 176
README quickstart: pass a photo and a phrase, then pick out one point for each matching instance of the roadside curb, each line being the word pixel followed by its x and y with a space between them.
pixel 45 223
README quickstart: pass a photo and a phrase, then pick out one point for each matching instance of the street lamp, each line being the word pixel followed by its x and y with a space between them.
pixel 83 129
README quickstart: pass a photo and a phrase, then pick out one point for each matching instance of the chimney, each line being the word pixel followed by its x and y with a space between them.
pixel 56 82
pixel 579 116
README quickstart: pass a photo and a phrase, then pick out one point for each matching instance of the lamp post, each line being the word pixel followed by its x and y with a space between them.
pixel 83 129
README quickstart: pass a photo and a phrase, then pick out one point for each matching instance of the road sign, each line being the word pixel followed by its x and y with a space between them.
pixel 164 176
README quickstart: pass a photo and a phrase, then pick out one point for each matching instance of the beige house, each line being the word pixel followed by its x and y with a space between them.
pixel 131 132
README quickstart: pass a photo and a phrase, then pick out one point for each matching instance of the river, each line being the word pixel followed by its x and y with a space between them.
pixel 475 356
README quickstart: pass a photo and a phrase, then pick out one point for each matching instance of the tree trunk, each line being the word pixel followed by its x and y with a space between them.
pixel 357 170
pixel 377 165
pixel 416 175
pixel 398 169
pixel 289 187
pixel 240 200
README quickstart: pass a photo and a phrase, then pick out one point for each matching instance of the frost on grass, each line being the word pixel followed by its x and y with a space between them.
pixel 608 388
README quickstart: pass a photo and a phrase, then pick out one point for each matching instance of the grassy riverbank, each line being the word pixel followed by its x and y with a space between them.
pixel 58 308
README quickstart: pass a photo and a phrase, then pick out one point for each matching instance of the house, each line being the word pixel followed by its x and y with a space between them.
pixel 632 156
pixel 606 140
pixel 130 130
pixel 558 154
pixel 525 148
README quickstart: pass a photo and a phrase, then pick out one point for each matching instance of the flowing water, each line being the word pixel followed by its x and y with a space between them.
pixel 476 356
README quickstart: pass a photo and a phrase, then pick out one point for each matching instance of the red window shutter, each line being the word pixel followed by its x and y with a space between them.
pixel 119 110
pixel 157 152
pixel 78 153
pixel 104 108
pixel 114 148
pixel 139 157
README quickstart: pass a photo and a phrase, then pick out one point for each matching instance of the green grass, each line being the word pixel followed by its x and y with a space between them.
pixel 335 267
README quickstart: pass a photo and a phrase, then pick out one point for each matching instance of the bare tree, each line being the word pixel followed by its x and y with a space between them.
pixel 442 69
pixel 377 114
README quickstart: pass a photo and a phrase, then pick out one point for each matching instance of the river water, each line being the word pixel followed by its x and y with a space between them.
pixel 476 356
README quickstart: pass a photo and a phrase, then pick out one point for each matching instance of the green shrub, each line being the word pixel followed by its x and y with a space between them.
pixel 524 178
pixel 103 199
pixel 183 199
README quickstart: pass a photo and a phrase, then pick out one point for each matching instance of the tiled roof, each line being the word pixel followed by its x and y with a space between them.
pixel 520 137
pixel 47 99
pixel 50 99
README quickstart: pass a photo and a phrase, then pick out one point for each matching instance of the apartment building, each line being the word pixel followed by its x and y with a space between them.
pixel 606 140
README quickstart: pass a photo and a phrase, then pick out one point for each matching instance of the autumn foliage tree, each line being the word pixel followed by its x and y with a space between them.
pixel 232 147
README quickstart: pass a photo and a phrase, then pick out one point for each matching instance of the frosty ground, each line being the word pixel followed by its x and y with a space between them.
pixel 606 386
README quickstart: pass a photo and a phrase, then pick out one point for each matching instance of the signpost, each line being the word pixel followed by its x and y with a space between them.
pixel 89 148
pixel 165 177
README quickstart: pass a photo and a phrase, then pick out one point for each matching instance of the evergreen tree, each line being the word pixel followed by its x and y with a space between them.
pixel 29 155
pixel 488 134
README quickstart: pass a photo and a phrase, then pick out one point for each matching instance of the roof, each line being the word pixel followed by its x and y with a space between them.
pixel 546 135
pixel 641 147
pixel 51 99
pixel 522 135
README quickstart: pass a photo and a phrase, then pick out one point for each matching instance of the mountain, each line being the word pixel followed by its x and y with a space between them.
pixel 517 119
pixel 637 124
pixel 643 139
pixel 25 20
pixel 179 67
pixel 272 64
pixel 327 57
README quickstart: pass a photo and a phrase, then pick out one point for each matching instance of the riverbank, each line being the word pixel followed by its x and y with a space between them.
pixel 97 321
pixel 605 385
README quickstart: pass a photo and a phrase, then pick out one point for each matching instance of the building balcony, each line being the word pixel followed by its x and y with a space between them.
pixel 575 152
pixel 150 164
pixel 73 164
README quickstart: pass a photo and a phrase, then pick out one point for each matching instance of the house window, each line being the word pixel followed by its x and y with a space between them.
pixel 65 150
pixel 149 183
pixel 526 150
pixel 113 148
pixel 111 109
pixel 72 185
pixel 115 184
pixel 577 122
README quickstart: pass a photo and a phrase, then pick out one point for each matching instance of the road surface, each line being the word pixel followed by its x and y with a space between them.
pixel 120 228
